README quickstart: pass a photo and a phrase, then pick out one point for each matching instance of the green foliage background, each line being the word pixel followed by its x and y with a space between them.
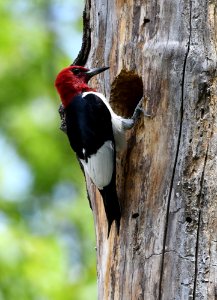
pixel 46 227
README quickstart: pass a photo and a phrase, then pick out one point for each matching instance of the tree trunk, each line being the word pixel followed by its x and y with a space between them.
pixel 167 177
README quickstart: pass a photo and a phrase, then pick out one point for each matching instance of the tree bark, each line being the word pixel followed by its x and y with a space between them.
pixel 166 52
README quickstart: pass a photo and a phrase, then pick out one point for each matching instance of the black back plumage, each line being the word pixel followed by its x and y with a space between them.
pixel 89 126
pixel 88 123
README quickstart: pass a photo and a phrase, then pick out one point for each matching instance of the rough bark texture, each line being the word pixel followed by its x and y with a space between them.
pixel 166 51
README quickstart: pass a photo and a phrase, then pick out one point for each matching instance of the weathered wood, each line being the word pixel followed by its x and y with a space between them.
pixel 165 50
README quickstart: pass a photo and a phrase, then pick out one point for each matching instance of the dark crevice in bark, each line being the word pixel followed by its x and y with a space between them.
pixel 135 215
pixel 83 54
pixel 177 153
pixel 82 57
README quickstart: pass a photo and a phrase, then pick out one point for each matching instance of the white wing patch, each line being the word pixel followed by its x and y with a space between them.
pixel 100 165
pixel 117 122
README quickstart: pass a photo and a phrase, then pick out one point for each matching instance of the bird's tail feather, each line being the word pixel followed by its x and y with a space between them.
pixel 111 205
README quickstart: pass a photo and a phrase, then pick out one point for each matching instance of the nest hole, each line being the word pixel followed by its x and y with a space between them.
pixel 126 92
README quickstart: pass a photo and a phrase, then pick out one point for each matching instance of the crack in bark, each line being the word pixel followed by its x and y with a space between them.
pixel 179 255
pixel 83 54
pixel 176 211
pixel 188 257
pixel 153 254
pixel 177 151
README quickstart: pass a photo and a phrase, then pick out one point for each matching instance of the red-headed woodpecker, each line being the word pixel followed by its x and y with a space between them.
pixel 95 132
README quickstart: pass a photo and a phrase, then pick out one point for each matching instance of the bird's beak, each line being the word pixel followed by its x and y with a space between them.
pixel 95 71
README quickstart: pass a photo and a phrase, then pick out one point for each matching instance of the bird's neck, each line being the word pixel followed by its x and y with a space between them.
pixel 68 93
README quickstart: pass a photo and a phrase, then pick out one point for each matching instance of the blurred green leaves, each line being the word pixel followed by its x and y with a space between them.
pixel 46 227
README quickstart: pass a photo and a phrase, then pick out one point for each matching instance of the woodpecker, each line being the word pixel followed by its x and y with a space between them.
pixel 95 132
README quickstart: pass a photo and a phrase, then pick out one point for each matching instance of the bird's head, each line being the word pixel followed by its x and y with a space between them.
pixel 73 80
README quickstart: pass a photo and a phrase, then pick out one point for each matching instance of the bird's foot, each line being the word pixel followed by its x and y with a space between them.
pixel 138 110
pixel 129 123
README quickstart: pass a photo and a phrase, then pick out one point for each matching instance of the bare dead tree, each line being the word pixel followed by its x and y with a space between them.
pixel 166 52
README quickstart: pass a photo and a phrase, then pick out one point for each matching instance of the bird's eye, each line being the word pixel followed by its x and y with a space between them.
pixel 75 71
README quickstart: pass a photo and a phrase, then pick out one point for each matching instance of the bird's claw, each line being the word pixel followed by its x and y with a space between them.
pixel 138 111
pixel 129 123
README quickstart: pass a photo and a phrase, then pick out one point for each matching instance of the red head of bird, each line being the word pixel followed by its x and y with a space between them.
pixel 73 80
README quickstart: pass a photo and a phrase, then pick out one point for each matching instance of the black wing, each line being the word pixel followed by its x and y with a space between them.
pixel 88 123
